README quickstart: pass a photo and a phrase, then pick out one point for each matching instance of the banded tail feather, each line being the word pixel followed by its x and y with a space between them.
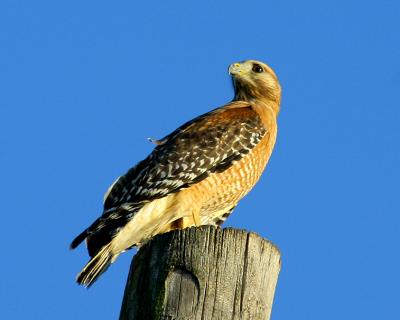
pixel 96 266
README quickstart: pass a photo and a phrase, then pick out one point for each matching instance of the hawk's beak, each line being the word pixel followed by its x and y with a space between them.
pixel 239 69
pixel 235 68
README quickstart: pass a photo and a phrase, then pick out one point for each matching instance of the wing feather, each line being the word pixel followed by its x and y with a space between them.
pixel 209 143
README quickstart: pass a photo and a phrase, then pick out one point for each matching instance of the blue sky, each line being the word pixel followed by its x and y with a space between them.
pixel 84 83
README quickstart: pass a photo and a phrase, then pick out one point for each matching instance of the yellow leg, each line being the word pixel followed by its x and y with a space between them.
pixel 196 217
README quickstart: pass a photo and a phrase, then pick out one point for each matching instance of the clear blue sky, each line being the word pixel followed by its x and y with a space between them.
pixel 84 83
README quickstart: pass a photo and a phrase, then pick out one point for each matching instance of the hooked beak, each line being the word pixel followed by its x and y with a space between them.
pixel 235 68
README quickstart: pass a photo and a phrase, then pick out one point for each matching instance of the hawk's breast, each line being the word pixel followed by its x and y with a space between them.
pixel 222 190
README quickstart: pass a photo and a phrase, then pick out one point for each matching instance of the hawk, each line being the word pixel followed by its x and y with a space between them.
pixel 195 176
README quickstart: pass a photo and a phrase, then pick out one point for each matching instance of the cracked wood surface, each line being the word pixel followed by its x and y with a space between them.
pixel 202 273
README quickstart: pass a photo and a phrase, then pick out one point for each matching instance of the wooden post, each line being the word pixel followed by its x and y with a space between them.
pixel 202 273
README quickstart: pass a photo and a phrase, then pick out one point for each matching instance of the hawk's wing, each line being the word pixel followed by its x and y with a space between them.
pixel 209 143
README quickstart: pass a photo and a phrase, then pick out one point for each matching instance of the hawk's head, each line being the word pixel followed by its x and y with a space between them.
pixel 254 80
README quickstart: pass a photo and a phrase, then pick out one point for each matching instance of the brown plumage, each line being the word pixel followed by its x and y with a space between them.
pixel 195 176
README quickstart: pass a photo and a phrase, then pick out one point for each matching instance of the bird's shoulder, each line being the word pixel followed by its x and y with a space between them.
pixel 233 110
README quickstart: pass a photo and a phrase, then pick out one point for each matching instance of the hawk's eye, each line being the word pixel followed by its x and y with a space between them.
pixel 257 68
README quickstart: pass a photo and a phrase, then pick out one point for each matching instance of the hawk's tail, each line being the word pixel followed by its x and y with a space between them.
pixel 96 266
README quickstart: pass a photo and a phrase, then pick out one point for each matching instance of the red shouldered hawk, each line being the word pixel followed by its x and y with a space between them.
pixel 195 176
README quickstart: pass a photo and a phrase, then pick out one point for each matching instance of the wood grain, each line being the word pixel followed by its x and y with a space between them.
pixel 202 273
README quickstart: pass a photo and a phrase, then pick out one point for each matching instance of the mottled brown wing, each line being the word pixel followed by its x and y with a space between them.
pixel 209 143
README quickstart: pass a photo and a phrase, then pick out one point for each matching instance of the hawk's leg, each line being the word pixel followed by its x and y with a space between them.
pixel 221 219
pixel 196 217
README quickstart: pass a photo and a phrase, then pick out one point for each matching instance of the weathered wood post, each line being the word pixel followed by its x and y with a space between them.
pixel 202 273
